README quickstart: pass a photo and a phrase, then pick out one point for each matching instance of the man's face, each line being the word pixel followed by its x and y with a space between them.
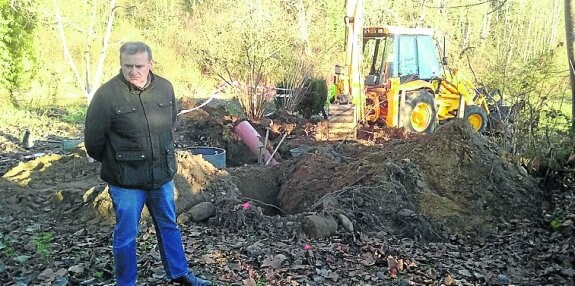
pixel 136 68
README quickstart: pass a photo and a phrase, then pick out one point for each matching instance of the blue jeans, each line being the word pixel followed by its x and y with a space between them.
pixel 128 205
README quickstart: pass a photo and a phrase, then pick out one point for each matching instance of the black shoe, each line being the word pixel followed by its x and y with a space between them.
pixel 191 280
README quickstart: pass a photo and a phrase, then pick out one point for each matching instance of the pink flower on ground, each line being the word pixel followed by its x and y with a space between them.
pixel 307 247
pixel 246 205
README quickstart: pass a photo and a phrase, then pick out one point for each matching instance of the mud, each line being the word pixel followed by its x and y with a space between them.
pixel 432 187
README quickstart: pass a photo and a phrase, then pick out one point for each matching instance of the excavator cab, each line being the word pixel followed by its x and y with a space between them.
pixel 395 52
pixel 399 65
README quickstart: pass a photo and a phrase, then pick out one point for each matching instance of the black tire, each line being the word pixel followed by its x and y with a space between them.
pixel 477 117
pixel 419 114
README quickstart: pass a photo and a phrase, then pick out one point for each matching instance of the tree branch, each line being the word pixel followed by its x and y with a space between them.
pixel 89 48
pixel 67 54
pixel 96 82
pixel 466 5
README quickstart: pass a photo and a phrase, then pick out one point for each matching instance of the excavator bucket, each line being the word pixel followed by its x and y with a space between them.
pixel 342 123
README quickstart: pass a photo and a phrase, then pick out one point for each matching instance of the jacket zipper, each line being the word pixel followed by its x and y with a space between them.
pixel 150 138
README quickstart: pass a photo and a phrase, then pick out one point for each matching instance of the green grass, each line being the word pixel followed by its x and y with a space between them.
pixel 205 250
pixel 74 115
pixel 233 107
pixel 67 120
pixel 557 112
pixel 9 251
pixel 42 245
pixel 6 248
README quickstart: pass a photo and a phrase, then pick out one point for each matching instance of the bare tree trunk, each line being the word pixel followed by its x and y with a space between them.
pixel 555 21
pixel 467 33
pixel 527 51
pixel 67 54
pixel 99 71
pixel 485 28
pixel 90 38
pixel 303 22
pixel 462 24
pixel 421 16
pixel 544 33
pixel 570 39
pixel 510 25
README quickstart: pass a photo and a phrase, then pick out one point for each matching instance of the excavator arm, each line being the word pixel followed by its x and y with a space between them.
pixel 349 103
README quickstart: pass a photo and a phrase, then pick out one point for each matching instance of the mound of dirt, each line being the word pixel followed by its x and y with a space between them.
pixel 53 170
pixel 430 187
pixel 313 175
pixel 60 182
pixel 381 135
pixel 450 182
pixel 198 181
pixel 70 184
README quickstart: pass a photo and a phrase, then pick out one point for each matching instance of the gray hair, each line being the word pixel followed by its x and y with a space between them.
pixel 132 48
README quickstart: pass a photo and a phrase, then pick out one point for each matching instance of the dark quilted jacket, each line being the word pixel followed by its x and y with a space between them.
pixel 130 132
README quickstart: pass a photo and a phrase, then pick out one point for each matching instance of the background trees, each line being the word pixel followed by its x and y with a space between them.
pixel 517 46
pixel 17 49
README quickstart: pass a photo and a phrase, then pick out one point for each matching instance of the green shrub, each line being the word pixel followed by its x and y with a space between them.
pixel 74 114
pixel 314 99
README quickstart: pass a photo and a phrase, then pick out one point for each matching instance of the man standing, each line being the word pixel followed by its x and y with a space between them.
pixel 128 129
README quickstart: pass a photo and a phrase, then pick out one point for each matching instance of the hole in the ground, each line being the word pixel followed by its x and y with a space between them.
pixel 261 185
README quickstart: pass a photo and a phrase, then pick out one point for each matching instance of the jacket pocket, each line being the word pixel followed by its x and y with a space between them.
pixel 125 120
pixel 166 103
pixel 132 168
pixel 171 159
pixel 165 114
pixel 122 110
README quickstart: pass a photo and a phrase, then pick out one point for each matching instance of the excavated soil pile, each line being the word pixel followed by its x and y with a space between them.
pixel 61 182
pixel 432 187
pixel 70 184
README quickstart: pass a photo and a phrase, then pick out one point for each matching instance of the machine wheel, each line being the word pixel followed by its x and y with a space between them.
pixel 419 113
pixel 477 117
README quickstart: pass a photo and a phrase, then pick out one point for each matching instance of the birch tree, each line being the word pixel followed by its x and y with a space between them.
pixel 570 39
pixel 88 83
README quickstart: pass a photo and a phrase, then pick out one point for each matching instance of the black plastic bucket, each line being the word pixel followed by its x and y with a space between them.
pixel 214 155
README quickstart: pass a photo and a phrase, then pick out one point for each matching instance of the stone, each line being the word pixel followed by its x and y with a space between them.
pixel 202 211
pixel 319 227
pixel 345 222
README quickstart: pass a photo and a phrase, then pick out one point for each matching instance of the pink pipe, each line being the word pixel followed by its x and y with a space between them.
pixel 253 139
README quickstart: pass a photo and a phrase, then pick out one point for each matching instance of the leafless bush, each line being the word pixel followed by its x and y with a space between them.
pixel 292 87
pixel 253 92
pixel 532 126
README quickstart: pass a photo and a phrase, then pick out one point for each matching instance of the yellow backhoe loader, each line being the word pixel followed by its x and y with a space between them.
pixel 393 76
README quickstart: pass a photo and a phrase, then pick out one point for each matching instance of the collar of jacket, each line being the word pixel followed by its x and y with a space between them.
pixel 134 89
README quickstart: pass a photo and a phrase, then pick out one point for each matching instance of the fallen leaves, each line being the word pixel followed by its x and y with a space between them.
pixel 448 280
pixel 521 253
pixel 249 282
pixel 274 262
pixel 76 269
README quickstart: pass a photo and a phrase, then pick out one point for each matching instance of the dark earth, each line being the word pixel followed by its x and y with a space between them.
pixel 449 208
